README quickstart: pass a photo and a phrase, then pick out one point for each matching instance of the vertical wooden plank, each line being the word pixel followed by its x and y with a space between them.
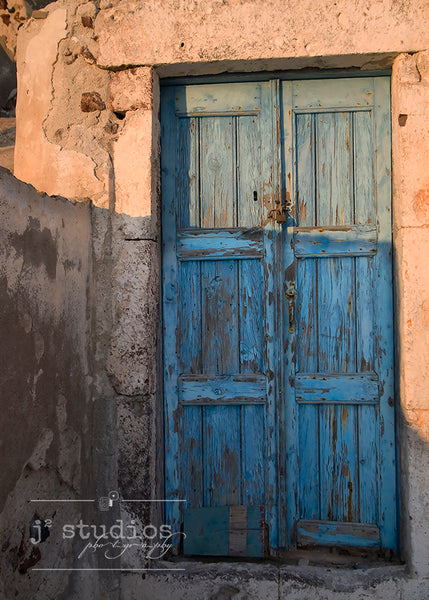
pixel 193 451
pixel 251 289
pixel 217 159
pixel 333 164
pixel 339 489
pixel 384 325
pixel 222 452
pixel 363 160
pixel 305 170
pixel 336 315
pixel 309 476
pixel 222 473
pixel 220 341
pixel 248 172
pixel 368 463
pixel 270 155
pixel 251 361
pixel 308 415
pixel 365 317
pixel 307 302
pixel 252 448
pixel 188 194
pixel 190 317
pixel 287 410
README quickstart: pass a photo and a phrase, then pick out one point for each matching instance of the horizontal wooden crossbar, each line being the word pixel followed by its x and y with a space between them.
pixel 360 240
pixel 330 533
pixel 350 388
pixel 218 244
pixel 222 389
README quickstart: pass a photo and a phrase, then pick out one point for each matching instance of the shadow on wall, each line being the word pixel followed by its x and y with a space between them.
pixel 59 436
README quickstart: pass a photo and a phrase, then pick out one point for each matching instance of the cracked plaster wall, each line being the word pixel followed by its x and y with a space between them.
pixel 88 127
pixel 46 426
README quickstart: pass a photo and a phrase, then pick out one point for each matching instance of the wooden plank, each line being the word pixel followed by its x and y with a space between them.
pixel 219 244
pixel 225 531
pixel 189 350
pixel 347 479
pixel 270 184
pixel 383 299
pixel 305 169
pixel 189 317
pixel 310 533
pixel 368 432
pixel 222 459
pixel 218 207
pixel 187 189
pixel 222 389
pixel 253 435
pixel 288 441
pixel 353 241
pixel 220 349
pixel 339 491
pixel 251 292
pixel 308 415
pixel 206 531
pixel 350 388
pixel 344 93
pixel 365 314
pixel 363 160
pixel 309 472
pixel 249 199
pixel 307 342
pixel 333 169
pixel 192 452
pixel 336 323
pixel 222 452
pixel 222 98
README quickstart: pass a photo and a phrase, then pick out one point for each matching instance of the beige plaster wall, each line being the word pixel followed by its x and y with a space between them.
pixel 88 126
pixel 410 153
pixel 196 31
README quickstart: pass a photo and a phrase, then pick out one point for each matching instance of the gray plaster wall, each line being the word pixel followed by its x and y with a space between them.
pixel 46 426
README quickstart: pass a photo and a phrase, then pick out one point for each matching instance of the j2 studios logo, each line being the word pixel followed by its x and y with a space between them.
pixel 113 540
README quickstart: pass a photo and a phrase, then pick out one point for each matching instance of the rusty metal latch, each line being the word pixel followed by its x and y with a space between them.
pixel 290 297
pixel 278 214
pixel 281 214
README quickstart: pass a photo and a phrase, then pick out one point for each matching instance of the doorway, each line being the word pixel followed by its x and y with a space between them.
pixel 277 313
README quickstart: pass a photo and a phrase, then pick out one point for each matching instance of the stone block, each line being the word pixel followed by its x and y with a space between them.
pixel 135 301
pixel 131 89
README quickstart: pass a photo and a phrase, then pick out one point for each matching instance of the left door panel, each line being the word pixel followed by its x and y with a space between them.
pixel 218 304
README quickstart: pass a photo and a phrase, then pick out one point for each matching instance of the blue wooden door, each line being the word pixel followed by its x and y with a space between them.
pixel 339 410
pixel 219 313
pixel 278 393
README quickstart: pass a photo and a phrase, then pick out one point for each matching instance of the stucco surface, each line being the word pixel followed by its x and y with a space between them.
pixel 195 31
pixel 45 386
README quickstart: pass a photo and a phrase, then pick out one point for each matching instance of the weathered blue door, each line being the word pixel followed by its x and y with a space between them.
pixel 277 315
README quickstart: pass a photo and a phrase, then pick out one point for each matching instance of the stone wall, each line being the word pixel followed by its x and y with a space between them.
pixel 46 426
pixel 88 126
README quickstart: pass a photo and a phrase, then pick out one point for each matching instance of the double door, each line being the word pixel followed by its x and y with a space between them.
pixel 277 315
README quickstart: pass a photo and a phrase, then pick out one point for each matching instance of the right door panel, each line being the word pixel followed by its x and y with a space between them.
pixel 339 409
